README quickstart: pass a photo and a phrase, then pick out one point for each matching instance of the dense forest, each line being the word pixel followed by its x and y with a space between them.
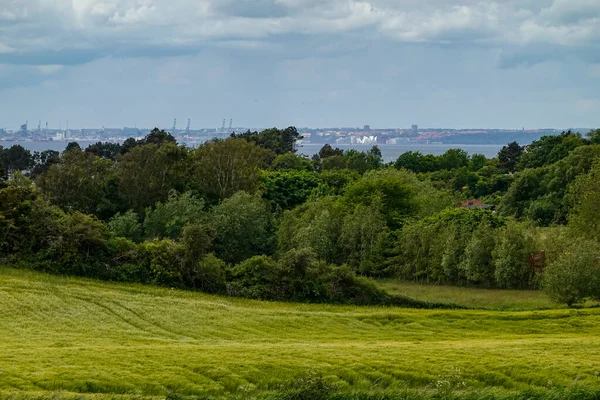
pixel 247 216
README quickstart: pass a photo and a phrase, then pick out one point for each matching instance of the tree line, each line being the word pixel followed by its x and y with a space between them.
pixel 247 216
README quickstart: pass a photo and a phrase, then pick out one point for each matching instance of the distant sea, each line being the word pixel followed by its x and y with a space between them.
pixel 390 152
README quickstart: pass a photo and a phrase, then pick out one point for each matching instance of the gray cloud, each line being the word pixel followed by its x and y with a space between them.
pixel 71 32
pixel 307 62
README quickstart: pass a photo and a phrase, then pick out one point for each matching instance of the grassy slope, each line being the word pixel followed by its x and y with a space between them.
pixel 494 299
pixel 84 336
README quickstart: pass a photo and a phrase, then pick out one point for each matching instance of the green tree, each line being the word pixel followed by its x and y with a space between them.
pixel 354 160
pixel 328 151
pixel 542 193
pixel 364 238
pixel 389 186
pixel 72 146
pixel 334 162
pixel 157 137
pixel 575 274
pixel 477 162
pixel 289 189
pixel 43 161
pixel 107 150
pixel 477 265
pixel 454 252
pixel 594 136
pixel 16 158
pixel 15 217
pixel 509 157
pixel 549 149
pixel 165 262
pixel 291 162
pixel 360 161
pixel 279 141
pixel 416 162
pixel 148 173
pixel 243 226
pixel 465 180
pixel 76 244
pixel 209 275
pixel 527 186
pixel 126 225
pixel 585 191
pixel 77 182
pixel 512 249
pixel 453 159
pixel 316 225
pixel 167 219
pixel 255 278
pixel 224 167
pixel 334 182
pixel 203 271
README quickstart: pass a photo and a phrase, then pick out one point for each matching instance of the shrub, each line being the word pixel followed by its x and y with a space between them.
pixel 209 275
pixel 126 225
pixel 254 278
pixel 77 244
pixel 167 220
pixel 164 261
pixel 575 274
pixel 243 226
pixel 299 277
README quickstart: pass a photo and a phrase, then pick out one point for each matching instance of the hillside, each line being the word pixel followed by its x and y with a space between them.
pixel 81 336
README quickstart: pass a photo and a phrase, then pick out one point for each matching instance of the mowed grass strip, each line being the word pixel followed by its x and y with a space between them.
pixel 78 335
pixel 492 299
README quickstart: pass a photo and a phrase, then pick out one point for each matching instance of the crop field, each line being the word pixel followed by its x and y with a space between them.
pixel 83 339
pixel 493 299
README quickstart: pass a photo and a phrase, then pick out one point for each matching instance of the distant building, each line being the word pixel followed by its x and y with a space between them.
pixel 366 128
pixel 475 204
pixel 415 129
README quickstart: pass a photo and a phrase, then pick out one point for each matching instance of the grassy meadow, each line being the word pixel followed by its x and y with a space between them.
pixel 492 299
pixel 82 339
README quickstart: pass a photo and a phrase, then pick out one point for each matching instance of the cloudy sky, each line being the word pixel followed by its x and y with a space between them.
pixel 387 63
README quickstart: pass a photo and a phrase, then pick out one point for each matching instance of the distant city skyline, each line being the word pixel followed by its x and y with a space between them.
pixel 412 127
pixel 332 63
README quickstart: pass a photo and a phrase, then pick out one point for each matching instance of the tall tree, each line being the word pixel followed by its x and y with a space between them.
pixel 585 215
pixel 279 141
pixel 594 136
pixel 453 159
pixel 16 158
pixel 550 149
pixel 224 167
pixel 416 162
pixel 44 160
pixel 158 137
pixel 243 226
pixel 108 150
pixel 509 156
pixel 167 220
pixel 146 174
pixel 77 182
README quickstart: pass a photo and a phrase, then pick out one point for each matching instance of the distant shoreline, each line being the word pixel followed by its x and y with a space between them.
pixel 390 152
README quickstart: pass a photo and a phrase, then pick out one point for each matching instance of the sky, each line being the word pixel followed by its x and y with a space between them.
pixel 307 63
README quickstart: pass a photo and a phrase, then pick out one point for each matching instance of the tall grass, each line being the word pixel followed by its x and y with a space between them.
pixel 69 338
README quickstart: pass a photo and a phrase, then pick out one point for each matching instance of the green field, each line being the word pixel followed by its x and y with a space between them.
pixel 77 338
pixel 493 299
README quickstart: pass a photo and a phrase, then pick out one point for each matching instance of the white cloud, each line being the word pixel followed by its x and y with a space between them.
pixel 44 30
